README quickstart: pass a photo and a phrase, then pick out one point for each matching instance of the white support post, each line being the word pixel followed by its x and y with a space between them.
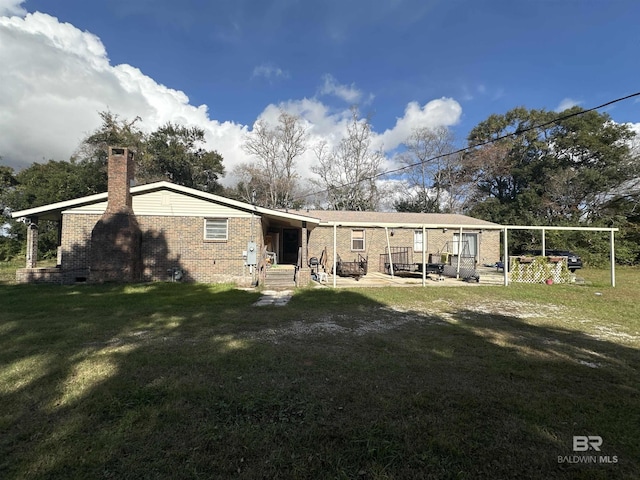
pixel 424 256
pixel 32 243
pixel 505 259
pixel 459 252
pixel 613 260
pixel 386 231
pixel 544 242
pixel 335 253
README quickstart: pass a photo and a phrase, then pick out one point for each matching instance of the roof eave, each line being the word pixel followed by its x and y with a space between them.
pixel 55 209
pixel 58 207
pixel 452 226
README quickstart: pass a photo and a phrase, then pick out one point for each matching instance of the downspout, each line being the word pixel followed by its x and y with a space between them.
pixel 386 231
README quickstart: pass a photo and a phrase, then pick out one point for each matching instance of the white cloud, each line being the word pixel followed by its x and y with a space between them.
pixel 635 127
pixel 56 78
pixel 443 112
pixel 12 7
pixel 270 72
pixel 323 124
pixel 635 142
pixel 348 93
pixel 567 103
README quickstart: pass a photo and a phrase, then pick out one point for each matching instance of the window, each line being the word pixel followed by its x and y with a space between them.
pixel 215 229
pixel 417 241
pixel 357 240
pixel 469 244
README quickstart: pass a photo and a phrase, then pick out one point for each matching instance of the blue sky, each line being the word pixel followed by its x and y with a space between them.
pixel 224 64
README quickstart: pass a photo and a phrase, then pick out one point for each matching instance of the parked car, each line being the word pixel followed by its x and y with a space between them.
pixel 574 262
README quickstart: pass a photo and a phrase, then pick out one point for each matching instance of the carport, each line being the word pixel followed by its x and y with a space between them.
pixel 460 228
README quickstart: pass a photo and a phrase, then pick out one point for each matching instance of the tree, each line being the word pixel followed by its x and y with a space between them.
pixel 348 171
pixel 7 183
pixel 594 155
pixel 420 202
pixel 175 153
pixel 9 245
pixel 172 152
pixel 93 151
pixel 272 181
pixel 563 171
pixel 575 171
pixel 43 183
pixel 434 172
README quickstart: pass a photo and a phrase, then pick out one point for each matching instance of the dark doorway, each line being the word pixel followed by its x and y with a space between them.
pixel 290 244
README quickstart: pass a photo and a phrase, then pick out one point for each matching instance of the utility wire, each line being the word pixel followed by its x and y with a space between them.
pixel 471 147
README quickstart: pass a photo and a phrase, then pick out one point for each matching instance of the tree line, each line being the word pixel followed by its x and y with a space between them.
pixel 531 167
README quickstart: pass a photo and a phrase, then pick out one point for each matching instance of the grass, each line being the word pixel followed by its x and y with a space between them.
pixel 191 381
pixel 8 270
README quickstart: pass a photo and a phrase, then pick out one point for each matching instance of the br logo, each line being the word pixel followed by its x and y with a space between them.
pixel 582 443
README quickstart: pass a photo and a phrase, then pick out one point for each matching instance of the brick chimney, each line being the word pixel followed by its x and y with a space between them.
pixel 116 238
pixel 120 176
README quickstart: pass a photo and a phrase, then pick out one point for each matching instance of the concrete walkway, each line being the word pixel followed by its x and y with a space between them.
pixel 273 297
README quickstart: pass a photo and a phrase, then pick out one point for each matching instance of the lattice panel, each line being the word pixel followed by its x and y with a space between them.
pixel 539 269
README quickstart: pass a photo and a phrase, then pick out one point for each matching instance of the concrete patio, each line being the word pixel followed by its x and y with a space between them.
pixel 488 276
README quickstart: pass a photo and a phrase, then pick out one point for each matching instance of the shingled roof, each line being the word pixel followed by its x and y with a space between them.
pixel 399 218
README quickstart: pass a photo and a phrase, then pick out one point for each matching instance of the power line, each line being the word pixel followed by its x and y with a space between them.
pixel 471 147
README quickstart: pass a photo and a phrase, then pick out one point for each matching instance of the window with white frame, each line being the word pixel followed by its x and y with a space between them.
pixel 357 239
pixel 417 241
pixel 215 228
pixel 468 246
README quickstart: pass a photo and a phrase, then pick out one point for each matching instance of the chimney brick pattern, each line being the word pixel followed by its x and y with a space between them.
pixel 120 176
pixel 116 237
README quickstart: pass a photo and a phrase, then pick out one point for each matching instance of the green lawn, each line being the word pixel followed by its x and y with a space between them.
pixel 191 381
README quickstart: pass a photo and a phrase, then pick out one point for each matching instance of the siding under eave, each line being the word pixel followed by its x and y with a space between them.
pixel 168 203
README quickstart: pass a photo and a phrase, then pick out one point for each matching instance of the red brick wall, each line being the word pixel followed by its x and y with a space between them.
pixel 76 246
pixel 178 242
pixel 167 243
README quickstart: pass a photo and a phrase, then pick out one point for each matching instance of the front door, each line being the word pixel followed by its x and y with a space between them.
pixel 290 244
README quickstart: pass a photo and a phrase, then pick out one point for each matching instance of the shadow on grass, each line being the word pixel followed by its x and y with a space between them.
pixel 191 381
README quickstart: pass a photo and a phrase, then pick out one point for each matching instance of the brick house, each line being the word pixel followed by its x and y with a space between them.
pixel 162 231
